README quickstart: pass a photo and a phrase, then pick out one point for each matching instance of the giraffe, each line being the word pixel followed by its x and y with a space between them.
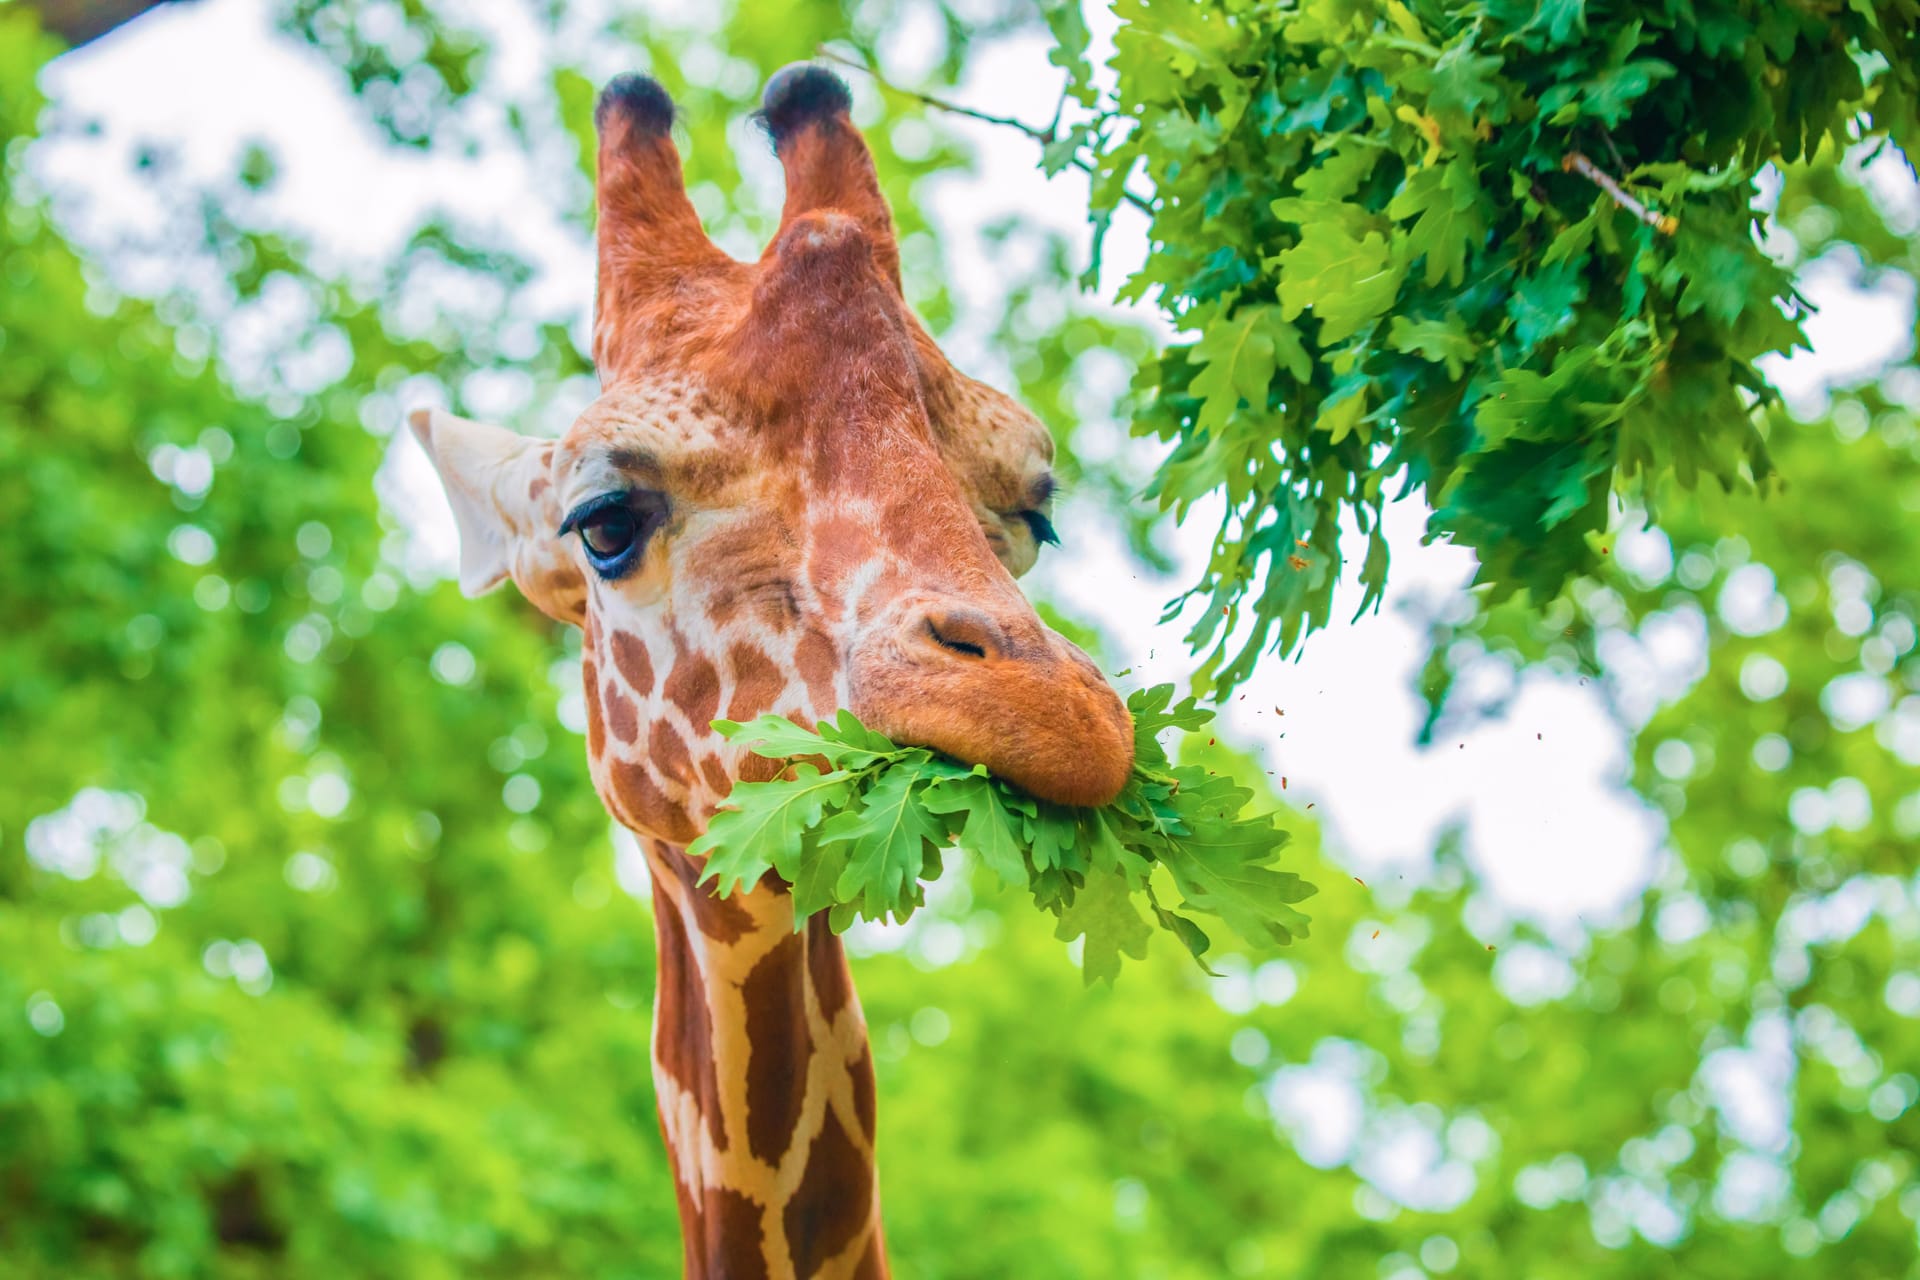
pixel 784 500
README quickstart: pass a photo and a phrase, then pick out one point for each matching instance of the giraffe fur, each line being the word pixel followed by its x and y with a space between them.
pixel 785 500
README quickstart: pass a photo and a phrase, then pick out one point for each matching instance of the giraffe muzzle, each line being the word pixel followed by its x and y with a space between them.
pixel 1006 693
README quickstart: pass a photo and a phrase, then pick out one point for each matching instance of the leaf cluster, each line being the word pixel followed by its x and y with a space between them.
pixel 857 825
pixel 1499 253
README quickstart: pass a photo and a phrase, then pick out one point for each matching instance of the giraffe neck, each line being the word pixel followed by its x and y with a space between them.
pixel 765 1085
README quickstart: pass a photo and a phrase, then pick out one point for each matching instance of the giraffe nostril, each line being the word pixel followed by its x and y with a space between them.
pixel 964 632
pixel 971 684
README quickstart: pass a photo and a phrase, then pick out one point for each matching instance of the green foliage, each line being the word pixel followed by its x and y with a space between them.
pixel 1784 772
pixel 1387 233
pixel 1783 768
pixel 860 840
pixel 406 66
pixel 408 1036
pixel 287 988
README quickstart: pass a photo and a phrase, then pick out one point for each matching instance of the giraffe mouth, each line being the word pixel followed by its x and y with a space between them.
pixel 1013 696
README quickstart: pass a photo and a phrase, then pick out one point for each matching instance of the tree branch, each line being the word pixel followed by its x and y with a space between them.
pixel 1665 223
pixel 1044 136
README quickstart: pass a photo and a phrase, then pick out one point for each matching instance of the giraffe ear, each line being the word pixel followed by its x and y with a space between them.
pixel 503 504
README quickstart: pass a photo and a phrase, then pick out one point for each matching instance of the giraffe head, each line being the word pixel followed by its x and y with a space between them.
pixel 785 499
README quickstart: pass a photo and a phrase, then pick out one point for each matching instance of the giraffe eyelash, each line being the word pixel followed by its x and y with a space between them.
pixel 1041 527
pixel 591 507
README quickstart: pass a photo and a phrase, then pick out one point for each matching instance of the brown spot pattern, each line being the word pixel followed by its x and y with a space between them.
pixel 754 552
pixel 596 729
pixel 760 769
pixel 833 1201
pixel 692 1239
pixel 645 807
pixel 801 372
pixel 817 662
pixel 779 1050
pixel 827 966
pixel 725 920
pixel 864 1103
pixel 756 682
pixel 873 1261
pixel 694 687
pixel 838 546
pixel 622 718
pixel 630 656
pixel 669 753
pixel 683 1030
pixel 735 1237
pixel 778 606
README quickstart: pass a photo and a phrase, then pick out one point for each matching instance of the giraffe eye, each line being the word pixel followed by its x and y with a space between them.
pixel 614 529
pixel 608 534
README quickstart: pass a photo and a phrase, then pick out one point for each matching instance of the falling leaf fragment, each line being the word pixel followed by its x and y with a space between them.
pixel 1376 933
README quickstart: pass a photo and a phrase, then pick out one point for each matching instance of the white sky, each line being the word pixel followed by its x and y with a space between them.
pixel 1538 791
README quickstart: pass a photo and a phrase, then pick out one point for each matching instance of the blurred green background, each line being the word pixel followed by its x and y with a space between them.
pixel 318 956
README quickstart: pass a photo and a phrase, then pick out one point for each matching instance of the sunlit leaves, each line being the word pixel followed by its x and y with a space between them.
pixel 890 837
pixel 774 818
pixel 1443 202
pixel 1070 39
pixel 1542 307
pixel 1441 341
pixel 447 1074
pixel 1240 358
pixel 860 841
pixel 1105 914
pixel 1396 180
pixel 1349 278
pixel 994 820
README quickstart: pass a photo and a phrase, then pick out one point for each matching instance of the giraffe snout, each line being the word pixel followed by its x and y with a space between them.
pixel 1004 692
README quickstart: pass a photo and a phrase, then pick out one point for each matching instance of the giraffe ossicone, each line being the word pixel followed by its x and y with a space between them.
pixel 785 500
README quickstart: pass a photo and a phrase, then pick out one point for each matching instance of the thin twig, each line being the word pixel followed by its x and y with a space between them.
pixel 1619 161
pixel 1060 109
pixel 1042 136
pixel 1665 223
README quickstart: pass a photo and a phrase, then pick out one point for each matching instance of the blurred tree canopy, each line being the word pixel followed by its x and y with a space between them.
pixel 317 956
